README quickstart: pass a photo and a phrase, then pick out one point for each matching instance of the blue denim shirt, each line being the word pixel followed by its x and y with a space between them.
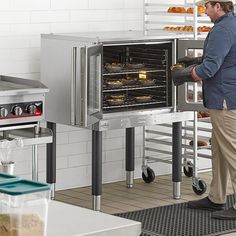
pixel 218 69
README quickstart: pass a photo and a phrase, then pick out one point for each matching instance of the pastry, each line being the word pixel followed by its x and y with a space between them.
pixel 129 80
pixel 204 29
pixel 135 65
pixel 174 10
pixel 147 82
pixel 170 10
pixel 114 84
pixel 204 114
pixel 115 102
pixel 199 116
pixel 190 10
pixel 143 98
pixel 200 143
pixel 114 67
pixel 182 10
pixel 117 96
pixel 201 10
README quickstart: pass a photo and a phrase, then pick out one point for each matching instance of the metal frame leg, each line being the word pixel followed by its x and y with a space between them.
pixel 5 134
pixel 35 162
pixel 176 158
pixel 96 169
pixel 51 159
pixel 35 155
pixel 129 156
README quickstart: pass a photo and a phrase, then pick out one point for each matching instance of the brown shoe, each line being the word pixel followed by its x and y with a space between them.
pixel 229 214
pixel 206 204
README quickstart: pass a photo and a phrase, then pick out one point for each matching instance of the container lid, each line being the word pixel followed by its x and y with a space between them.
pixel 6 178
pixel 23 186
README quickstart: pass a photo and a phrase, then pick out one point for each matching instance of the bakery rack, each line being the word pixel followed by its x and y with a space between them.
pixel 156 17
pixel 157 139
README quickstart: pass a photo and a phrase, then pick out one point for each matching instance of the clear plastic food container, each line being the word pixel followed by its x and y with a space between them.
pixel 23 208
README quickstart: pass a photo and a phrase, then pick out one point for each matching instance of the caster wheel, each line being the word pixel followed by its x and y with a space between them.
pixel 200 188
pixel 188 171
pixel 150 176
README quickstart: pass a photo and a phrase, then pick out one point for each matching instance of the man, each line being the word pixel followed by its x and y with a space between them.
pixel 217 71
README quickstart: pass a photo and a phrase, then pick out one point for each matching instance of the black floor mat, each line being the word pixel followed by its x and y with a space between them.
pixel 177 219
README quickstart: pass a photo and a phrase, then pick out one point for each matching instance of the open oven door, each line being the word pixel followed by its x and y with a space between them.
pixel 88 98
pixel 189 96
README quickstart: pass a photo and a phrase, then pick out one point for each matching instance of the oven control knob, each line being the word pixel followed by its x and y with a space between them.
pixel 31 109
pixel 17 111
pixel 3 112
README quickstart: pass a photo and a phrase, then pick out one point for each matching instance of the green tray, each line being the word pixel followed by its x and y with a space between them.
pixel 6 178
pixel 23 186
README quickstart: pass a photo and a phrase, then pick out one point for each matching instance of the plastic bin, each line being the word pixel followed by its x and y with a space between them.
pixel 23 208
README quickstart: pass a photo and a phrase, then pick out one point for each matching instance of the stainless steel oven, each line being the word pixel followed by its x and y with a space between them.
pixel 110 80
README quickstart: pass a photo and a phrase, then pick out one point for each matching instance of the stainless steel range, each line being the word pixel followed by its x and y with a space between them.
pixel 110 80
pixel 22 107
pixel 21 101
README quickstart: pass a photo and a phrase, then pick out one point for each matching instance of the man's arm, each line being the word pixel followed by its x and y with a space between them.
pixel 218 46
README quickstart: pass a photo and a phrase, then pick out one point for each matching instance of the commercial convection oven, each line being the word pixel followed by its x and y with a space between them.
pixel 111 80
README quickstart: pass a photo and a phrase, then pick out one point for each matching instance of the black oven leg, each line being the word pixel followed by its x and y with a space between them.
pixel 129 157
pixel 96 169
pixel 176 158
pixel 51 159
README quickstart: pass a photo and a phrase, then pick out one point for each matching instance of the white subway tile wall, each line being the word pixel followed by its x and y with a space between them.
pixel 21 23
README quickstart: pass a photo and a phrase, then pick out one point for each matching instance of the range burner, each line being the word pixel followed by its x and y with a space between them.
pixel 21 100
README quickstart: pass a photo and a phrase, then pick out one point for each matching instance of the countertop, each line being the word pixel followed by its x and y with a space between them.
pixel 69 220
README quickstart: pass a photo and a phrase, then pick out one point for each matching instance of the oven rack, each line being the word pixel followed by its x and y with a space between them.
pixel 129 87
pixel 166 141
pixel 141 70
pixel 147 4
pixel 134 104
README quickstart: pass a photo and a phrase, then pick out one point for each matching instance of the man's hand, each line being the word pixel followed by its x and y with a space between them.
pixel 188 61
pixel 180 75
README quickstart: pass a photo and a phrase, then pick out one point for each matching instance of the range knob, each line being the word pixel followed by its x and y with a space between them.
pixel 31 109
pixel 3 112
pixel 17 111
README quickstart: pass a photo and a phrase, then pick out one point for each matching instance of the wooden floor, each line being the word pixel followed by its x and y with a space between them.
pixel 117 198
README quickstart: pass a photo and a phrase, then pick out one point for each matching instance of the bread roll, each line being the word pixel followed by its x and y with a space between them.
pixel 204 114
pixel 200 143
pixel 169 9
pixel 190 10
pixel 201 10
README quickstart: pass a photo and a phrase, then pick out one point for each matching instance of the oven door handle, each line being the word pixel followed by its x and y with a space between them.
pixel 84 87
pixel 73 86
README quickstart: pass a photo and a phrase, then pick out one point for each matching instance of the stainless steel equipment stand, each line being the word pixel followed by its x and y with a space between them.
pixel 96 169
pixel 32 135
pixel 176 158
pixel 51 159
pixel 129 156
pixel 96 162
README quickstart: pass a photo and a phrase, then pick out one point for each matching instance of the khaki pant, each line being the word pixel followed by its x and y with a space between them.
pixel 223 153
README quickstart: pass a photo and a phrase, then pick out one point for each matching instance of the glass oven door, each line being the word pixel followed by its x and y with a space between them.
pixel 89 108
pixel 190 97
